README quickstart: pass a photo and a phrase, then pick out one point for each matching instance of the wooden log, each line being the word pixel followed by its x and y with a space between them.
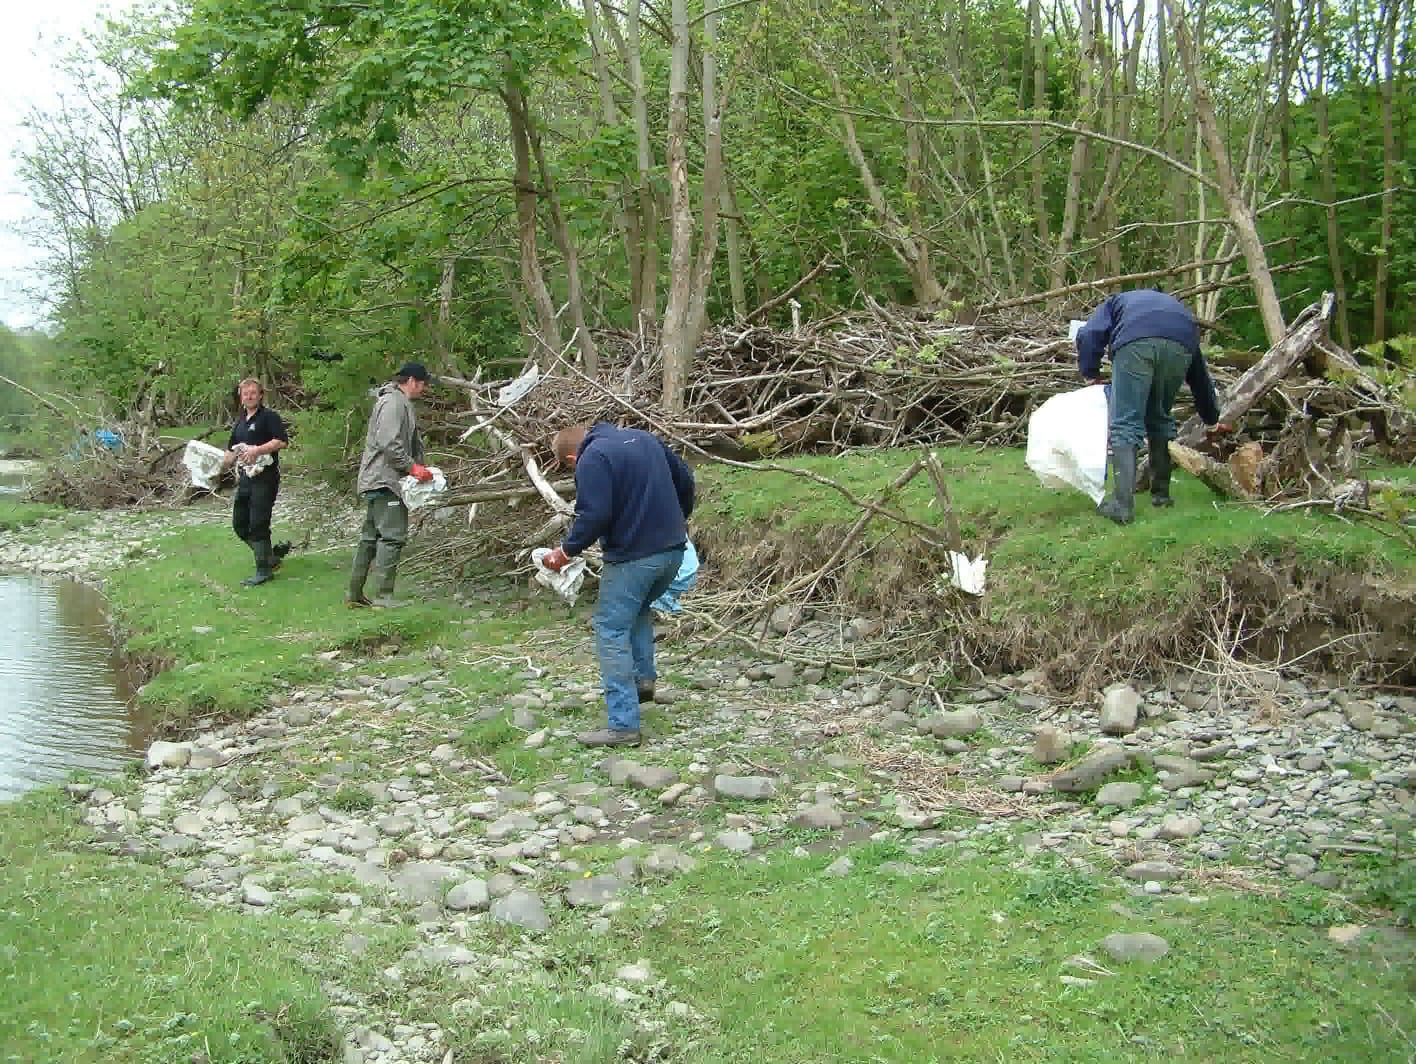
pixel 1217 475
pixel 1308 331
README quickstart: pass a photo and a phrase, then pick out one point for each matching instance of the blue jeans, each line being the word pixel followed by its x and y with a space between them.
pixel 1145 379
pixel 624 630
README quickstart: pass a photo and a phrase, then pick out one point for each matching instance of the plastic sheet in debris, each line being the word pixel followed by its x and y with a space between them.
pixel 967 574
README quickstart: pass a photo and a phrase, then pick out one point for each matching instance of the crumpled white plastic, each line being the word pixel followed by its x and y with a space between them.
pixel 519 387
pixel 965 574
pixel 262 462
pixel 203 462
pixel 418 493
pixel 1067 441
pixel 1073 327
pixel 565 583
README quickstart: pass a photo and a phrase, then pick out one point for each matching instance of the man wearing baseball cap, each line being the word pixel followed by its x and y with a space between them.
pixel 393 449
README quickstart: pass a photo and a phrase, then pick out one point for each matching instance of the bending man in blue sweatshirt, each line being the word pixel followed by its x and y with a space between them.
pixel 1154 346
pixel 634 495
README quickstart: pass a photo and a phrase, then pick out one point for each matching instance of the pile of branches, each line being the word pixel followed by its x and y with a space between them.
pixel 886 377
pixel 140 473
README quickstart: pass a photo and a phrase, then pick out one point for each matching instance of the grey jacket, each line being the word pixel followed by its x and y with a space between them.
pixel 392 444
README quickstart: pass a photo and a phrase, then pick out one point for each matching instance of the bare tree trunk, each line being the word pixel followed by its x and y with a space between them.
pixel 901 241
pixel 677 342
pixel 1329 182
pixel 443 335
pixel 609 114
pixel 737 286
pixel 712 181
pixel 914 149
pixel 584 342
pixel 545 342
pixel 1040 110
pixel 1379 283
pixel 1103 212
pixel 646 268
pixel 1240 213
pixel 1087 104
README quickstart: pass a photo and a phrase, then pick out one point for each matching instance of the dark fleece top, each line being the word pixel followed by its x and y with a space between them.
pixel 631 492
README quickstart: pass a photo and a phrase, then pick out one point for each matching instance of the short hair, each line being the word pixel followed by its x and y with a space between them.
pixel 251 380
pixel 566 443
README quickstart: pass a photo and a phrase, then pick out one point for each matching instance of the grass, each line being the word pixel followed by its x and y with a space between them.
pixel 965 965
pixel 1048 550
pixel 101 962
pixel 225 649
pixel 16 513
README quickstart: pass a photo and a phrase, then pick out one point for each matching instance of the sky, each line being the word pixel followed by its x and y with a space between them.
pixel 29 46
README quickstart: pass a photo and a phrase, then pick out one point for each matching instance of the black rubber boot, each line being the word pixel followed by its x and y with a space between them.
pixel 1120 503
pixel 363 558
pixel 384 577
pixel 1160 472
pixel 265 563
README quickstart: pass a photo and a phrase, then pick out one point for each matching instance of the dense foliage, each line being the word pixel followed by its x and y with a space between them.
pixel 313 192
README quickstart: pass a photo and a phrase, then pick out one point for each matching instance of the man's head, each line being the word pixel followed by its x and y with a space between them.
pixel 252 393
pixel 565 444
pixel 412 378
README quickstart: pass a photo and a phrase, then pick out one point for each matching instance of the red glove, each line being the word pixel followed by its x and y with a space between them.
pixel 556 560
pixel 421 473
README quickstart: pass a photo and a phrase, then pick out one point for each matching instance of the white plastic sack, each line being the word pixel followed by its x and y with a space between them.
pixel 203 462
pixel 418 493
pixel 565 583
pixel 1067 441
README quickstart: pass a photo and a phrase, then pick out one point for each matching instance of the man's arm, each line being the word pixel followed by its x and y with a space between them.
pixel 1092 339
pixel 594 495
pixel 683 480
pixel 1197 376
pixel 279 438
pixel 388 435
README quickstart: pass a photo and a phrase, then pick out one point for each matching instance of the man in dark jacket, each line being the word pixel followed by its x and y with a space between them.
pixel 257 432
pixel 634 495
pixel 393 449
pixel 1154 347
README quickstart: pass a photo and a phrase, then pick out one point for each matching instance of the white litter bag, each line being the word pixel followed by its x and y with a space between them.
pixel 1067 441
pixel 203 462
pixel 565 583
pixel 418 493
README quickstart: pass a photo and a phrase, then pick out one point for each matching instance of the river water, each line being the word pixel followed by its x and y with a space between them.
pixel 65 699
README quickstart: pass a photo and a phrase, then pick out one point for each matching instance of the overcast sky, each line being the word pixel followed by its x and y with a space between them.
pixel 29 46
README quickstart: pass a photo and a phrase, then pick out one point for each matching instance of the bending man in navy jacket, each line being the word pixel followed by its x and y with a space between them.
pixel 1154 346
pixel 634 495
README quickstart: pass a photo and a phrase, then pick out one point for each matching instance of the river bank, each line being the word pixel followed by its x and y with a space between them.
pixel 797 865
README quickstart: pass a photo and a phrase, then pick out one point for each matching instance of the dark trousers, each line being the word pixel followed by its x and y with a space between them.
pixel 255 499
pixel 1146 376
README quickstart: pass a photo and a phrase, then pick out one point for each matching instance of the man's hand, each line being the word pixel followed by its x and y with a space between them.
pixel 1221 428
pixel 421 473
pixel 556 560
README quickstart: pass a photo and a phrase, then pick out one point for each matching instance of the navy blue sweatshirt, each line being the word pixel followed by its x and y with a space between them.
pixel 1146 314
pixel 632 492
